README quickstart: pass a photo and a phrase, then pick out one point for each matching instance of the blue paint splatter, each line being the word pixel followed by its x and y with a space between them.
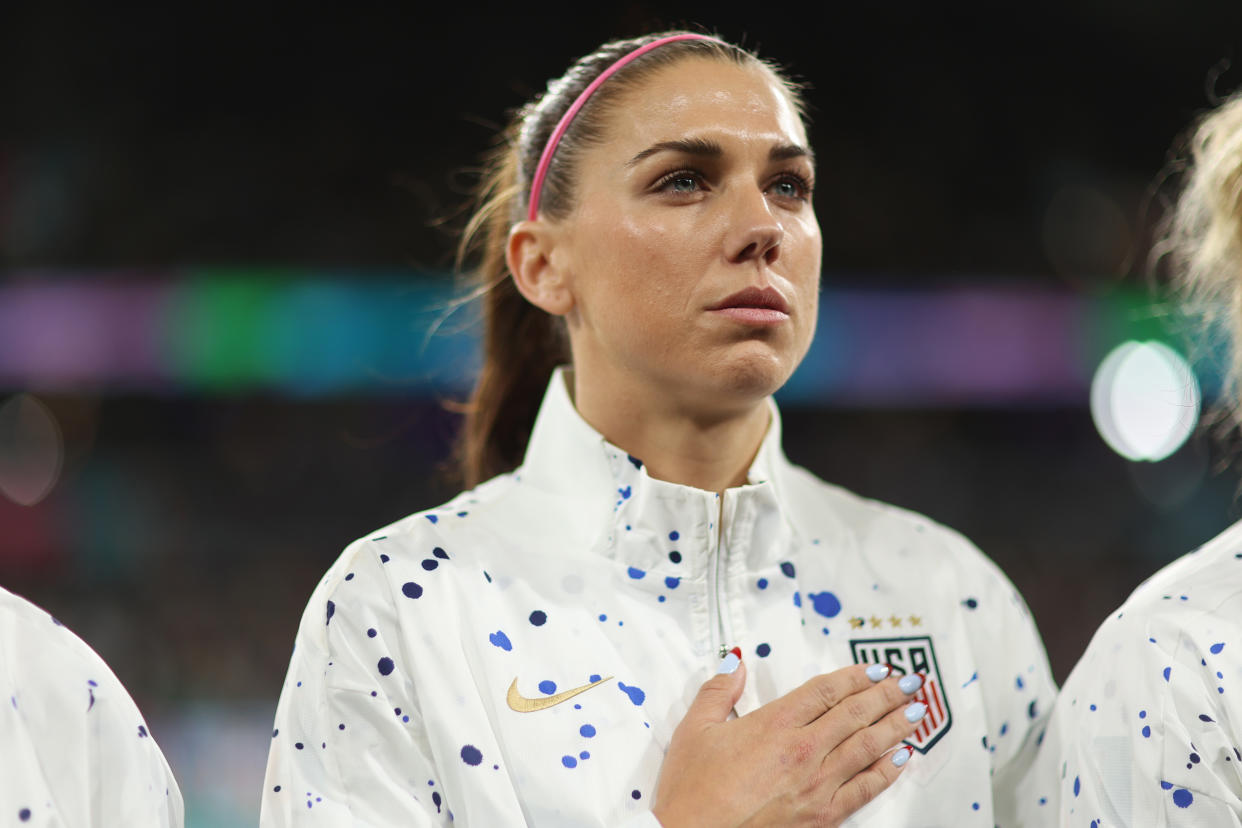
pixel 584 755
pixel 411 590
pixel 1146 731
pixel 788 569
pixel 634 461
pixel 1167 670
pixel 547 687
pixel 971 603
pixel 430 564
pixel 825 603
pixel 587 731
pixel 501 640
pixel 797 598
pixel 440 553
pixel 973 678
pixel 674 535
pixel 636 573
pixel 625 493
pixel 672 583
pixel 1182 798
pixel 636 794
pixel 762 583
pixel 385 666
pixel 331 612
pixel 1165 785
pixel 763 650
pixel 371 633
pixel 1077 786
pixel 674 556
pixel 1031 710
pixel 471 755
pixel 384 558
pixel 432 518
pixel 593 678
pixel 636 695
pixel 569 761
pixel 1020 683
pixel 1203 717
pixel 1216 648
pixel 538 618
pixel 974 806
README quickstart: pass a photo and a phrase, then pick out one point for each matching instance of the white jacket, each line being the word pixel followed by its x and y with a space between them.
pixel 1148 728
pixel 74 750
pixel 432 673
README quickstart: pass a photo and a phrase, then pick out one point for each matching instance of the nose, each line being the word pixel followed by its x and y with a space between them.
pixel 754 233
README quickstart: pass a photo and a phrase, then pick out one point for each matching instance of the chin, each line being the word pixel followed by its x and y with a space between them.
pixel 752 376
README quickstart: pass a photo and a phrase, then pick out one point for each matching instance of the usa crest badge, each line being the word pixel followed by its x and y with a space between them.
pixel 912 655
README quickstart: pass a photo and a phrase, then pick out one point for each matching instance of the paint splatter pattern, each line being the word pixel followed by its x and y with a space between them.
pixel 76 749
pixel 1148 727
pixel 593 596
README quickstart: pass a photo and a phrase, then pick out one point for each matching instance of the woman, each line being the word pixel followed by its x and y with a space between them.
pixel 535 651
pixel 1148 728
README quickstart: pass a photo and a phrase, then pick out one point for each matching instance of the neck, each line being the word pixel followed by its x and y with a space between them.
pixel 707 450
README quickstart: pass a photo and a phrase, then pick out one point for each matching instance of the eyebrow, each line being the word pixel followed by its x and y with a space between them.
pixel 705 148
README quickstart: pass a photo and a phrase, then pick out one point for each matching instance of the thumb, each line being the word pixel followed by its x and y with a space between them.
pixel 720 692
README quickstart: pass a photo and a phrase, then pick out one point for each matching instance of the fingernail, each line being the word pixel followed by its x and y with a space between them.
pixel 878 672
pixel 737 651
pixel 902 756
pixel 915 712
pixel 911 683
pixel 729 663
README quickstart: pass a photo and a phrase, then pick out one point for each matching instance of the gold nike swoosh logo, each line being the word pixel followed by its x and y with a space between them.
pixel 521 704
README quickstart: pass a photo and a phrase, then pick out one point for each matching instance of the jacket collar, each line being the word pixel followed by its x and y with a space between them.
pixel 613 497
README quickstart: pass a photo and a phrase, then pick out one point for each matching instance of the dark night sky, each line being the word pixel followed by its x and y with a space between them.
pixel 260 134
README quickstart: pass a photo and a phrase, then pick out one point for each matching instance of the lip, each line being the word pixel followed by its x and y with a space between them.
pixel 754 306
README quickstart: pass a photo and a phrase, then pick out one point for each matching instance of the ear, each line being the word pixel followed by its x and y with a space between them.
pixel 530 254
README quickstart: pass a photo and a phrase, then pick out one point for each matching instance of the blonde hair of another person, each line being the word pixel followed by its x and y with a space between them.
pixel 1202 237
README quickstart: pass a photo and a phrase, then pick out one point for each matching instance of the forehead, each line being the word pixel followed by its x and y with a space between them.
pixel 708 98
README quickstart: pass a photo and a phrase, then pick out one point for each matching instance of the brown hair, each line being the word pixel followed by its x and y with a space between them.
pixel 522 344
pixel 1201 238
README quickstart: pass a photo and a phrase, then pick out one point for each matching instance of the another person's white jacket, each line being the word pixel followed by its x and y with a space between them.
pixel 521 655
pixel 1148 728
pixel 74 750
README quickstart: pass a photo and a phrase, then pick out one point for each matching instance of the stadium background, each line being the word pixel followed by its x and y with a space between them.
pixel 225 243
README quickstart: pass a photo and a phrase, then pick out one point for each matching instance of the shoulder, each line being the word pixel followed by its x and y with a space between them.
pixel 48 656
pixel 1188 613
pixel 832 514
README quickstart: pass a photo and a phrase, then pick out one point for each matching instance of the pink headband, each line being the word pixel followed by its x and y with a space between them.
pixel 562 126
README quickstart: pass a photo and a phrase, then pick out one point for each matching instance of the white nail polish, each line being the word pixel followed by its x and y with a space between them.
pixel 902 756
pixel 909 684
pixel 878 672
pixel 728 664
pixel 915 712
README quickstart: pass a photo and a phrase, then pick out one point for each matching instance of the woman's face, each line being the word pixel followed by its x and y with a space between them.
pixel 693 253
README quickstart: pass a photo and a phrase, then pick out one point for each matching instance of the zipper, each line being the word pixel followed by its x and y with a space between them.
pixel 720 627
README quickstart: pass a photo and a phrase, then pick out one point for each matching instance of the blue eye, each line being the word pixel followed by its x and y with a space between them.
pixel 793 187
pixel 682 183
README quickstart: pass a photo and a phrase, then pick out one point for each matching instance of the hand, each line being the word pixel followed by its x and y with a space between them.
pixel 812 757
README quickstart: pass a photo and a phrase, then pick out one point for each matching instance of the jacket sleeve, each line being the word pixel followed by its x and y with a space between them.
pixel 76 749
pixel 1144 733
pixel 343 751
pixel 1014 677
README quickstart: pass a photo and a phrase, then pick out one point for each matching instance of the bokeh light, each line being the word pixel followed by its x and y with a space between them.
pixel 1144 400
pixel 32 450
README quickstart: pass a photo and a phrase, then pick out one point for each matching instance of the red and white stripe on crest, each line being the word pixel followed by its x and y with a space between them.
pixel 929 695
